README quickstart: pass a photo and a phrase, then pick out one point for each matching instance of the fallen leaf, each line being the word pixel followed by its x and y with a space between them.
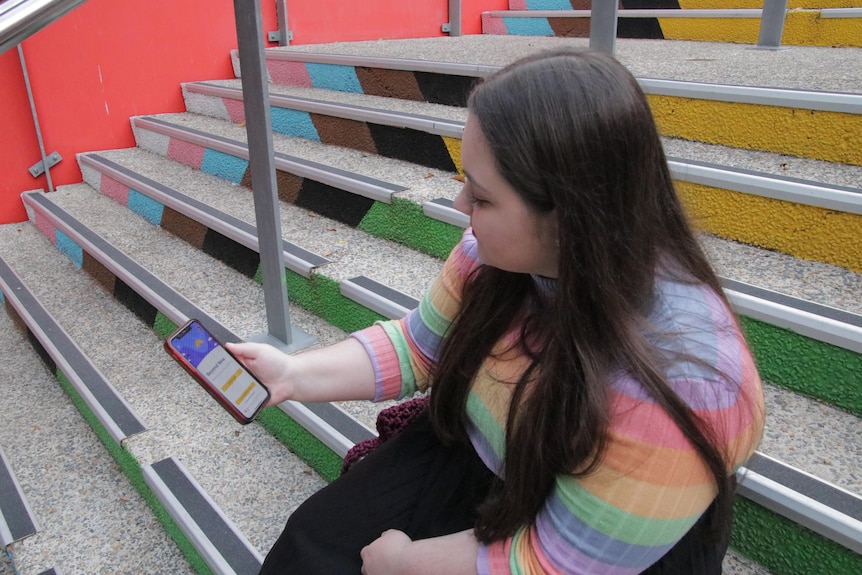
pixel 429 175
pixel 459 179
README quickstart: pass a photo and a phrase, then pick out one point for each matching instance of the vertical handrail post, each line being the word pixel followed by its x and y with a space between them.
pixel 455 26
pixel 281 17
pixel 249 29
pixel 772 24
pixel 603 25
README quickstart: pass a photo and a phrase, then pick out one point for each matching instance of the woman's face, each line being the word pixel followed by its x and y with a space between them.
pixel 510 236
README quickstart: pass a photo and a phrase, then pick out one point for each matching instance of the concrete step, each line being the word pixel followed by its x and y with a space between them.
pixel 802 27
pixel 716 181
pixel 75 490
pixel 183 423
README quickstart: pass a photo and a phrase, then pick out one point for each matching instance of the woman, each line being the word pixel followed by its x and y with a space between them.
pixel 591 392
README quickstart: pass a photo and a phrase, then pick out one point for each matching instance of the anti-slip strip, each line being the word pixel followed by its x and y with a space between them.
pixel 215 537
pixel 159 294
pixel 296 258
pixel 365 185
pixel 811 307
pixel 16 519
pixel 824 508
pixel 381 298
pixel 443 209
pixel 840 198
pixel 816 321
pixel 113 412
pixel 635 13
pixel 170 302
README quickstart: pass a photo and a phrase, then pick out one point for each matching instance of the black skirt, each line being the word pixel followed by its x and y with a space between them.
pixel 412 483
pixel 417 485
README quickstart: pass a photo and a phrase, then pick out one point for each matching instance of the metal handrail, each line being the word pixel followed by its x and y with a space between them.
pixel 20 19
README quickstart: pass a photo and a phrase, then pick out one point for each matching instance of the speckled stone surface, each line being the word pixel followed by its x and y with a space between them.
pixel 238 466
pixel 92 520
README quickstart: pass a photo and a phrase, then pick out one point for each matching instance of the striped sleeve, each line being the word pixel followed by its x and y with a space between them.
pixel 651 485
pixel 403 352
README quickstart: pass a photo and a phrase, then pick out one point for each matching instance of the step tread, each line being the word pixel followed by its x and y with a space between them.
pixel 780 165
pixel 98 510
pixel 348 249
pixel 412 182
pixel 800 68
pixel 425 109
pixel 184 422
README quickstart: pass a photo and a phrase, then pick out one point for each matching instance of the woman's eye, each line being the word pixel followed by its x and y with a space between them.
pixel 477 201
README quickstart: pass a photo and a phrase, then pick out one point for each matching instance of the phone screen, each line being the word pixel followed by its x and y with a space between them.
pixel 224 373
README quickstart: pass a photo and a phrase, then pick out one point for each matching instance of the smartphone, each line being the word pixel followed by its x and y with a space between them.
pixel 217 370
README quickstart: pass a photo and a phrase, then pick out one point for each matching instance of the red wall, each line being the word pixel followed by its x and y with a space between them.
pixel 94 68
pixel 111 59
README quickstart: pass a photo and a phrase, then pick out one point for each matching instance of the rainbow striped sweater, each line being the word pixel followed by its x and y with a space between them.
pixel 651 486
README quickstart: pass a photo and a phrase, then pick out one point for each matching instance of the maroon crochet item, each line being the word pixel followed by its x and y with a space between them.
pixel 390 422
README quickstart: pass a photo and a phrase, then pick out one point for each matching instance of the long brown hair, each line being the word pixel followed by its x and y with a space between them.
pixel 572 131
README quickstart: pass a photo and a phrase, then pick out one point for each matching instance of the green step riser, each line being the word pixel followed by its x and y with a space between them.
pixel 785 547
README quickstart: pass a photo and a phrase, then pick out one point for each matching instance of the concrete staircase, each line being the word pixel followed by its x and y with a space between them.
pixel 808 23
pixel 367 142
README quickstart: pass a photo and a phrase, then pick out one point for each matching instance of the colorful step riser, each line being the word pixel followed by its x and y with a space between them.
pixel 785 547
pixel 398 221
pixel 801 28
pixel 803 231
pixel 814 368
pixel 406 85
pixel 830 136
pixel 415 146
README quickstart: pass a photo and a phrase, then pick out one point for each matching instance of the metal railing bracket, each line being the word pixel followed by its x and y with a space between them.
pixel 41 167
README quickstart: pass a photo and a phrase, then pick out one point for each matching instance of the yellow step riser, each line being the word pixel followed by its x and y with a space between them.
pixel 830 136
pixel 800 29
pixel 806 232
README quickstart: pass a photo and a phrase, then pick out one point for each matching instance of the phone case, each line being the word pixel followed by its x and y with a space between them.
pixel 204 351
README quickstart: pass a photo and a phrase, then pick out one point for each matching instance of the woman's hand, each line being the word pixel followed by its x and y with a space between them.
pixel 387 555
pixel 270 365
pixel 393 553
pixel 338 372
